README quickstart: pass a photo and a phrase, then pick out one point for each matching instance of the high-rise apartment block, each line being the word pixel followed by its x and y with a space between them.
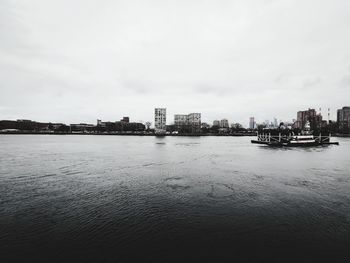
pixel 311 116
pixel 343 118
pixel 180 120
pixel 190 123
pixel 194 119
pixel 160 120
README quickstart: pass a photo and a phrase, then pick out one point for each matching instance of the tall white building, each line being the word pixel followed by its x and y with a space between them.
pixel 251 123
pixel 160 120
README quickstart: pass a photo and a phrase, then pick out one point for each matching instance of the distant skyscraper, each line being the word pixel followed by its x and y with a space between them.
pixel 275 123
pixel 160 119
pixel 251 123
pixel 224 123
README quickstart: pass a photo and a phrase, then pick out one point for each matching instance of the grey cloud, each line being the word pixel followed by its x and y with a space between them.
pixel 345 82
pixel 78 60
pixel 139 87
pixel 312 82
pixel 215 90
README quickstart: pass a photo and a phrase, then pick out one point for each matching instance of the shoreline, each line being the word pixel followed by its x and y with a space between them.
pixel 128 134
pixel 149 134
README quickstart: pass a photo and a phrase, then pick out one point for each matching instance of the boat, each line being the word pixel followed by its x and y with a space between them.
pixel 160 132
pixel 305 139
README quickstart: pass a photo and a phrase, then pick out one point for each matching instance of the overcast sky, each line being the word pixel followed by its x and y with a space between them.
pixel 76 61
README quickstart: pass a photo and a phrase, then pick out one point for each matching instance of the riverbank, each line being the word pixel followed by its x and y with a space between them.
pixel 125 134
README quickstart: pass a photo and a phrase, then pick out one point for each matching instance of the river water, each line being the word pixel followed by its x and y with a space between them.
pixel 124 198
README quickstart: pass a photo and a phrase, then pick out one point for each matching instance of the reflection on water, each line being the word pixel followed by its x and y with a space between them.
pixel 118 198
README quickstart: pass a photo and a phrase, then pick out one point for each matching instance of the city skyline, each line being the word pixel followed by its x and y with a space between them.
pixel 250 122
pixel 185 124
pixel 160 116
pixel 260 117
pixel 224 59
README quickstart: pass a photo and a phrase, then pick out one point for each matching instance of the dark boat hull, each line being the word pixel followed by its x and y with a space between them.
pixel 288 144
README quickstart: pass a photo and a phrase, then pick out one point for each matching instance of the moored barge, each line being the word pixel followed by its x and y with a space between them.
pixel 293 140
pixel 305 139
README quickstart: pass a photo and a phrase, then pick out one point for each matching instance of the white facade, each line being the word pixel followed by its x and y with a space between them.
pixel 160 119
